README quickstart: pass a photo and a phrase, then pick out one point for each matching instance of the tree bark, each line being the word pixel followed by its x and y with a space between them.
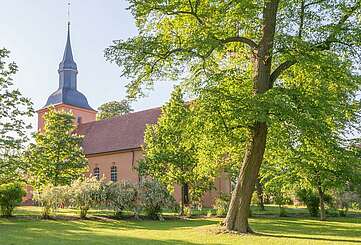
pixel 322 202
pixel 259 190
pixel 238 212
pixel 182 201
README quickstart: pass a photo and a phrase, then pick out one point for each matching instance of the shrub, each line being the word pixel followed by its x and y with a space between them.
pixel 188 212
pixel 85 194
pixel 10 196
pixel 51 198
pixel 221 204
pixel 311 200
pixel 122 196
pixel 154 197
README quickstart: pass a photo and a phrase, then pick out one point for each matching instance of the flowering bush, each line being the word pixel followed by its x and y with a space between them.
pixel 122 196
pixel 10 196
pixel 221 204
pixel 85 194
pixel 51 198
pixel 154 197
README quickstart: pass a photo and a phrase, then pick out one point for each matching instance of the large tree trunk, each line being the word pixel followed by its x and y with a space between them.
pixel 259 190
pixel 238 212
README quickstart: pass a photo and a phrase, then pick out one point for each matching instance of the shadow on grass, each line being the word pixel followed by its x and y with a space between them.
pixel 308 238
pixel 91 232
pixel 334 230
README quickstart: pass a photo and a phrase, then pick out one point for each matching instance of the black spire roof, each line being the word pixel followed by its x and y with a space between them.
pixel 67 92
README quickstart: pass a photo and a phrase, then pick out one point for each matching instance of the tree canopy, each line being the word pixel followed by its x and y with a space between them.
pixel 112 109
pixel 260 70
pixel 14 111
pixel 56 157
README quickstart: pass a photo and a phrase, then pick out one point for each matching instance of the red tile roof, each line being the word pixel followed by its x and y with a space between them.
pixel 120 133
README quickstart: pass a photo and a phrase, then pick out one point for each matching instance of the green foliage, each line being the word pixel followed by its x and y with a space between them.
pixel 170 149
pixel 112 109
pixel 221 204
pixel 50 198
pixel 85 194
pixel 14 110
pixel 154 197
pixel 311 200
pixel 122 196
pixel 10 195
pixel 56 157
pixel 217 50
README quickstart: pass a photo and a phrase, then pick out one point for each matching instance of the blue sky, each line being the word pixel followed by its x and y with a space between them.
pixel 35 33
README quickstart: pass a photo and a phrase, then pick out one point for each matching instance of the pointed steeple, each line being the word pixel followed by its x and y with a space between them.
pixel 68 61
pixel 67 92
pixel 67 68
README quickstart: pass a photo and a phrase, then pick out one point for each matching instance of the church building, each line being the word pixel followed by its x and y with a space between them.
pixel 112 146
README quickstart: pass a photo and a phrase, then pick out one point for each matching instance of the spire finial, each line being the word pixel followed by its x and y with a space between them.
pixel 68 13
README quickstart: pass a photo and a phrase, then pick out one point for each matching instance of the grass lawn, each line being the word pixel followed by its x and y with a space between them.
pixel 26 228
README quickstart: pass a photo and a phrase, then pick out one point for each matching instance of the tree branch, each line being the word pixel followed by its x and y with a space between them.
pixel 326 45
pixel 245 40
pixel 281 68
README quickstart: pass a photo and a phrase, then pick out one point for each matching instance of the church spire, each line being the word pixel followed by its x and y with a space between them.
pixel 67 92
pixel 67 68
pixel 68 61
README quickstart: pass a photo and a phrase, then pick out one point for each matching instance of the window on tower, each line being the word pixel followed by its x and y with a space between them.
pixel 78 120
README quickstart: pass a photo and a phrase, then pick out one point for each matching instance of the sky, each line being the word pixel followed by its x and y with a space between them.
pixel 35 33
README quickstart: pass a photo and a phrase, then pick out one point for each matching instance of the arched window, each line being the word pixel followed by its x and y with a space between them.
pixel 113 173
pixel 96 173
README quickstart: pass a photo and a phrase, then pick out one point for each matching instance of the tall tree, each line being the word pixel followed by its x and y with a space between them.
pixel 170 151
pixel 56 157
pixel 260 48
pixel 112 109
pixel 14 110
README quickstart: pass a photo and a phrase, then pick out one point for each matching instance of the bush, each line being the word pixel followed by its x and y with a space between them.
pixel 311 200
pixel 122 196
pixel 51 198
pixel 221 204
pixel 85 194
pixel 10 197
pixel 188 212
pixel 154 197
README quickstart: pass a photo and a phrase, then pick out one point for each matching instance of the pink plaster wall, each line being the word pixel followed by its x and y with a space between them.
pixel 126 161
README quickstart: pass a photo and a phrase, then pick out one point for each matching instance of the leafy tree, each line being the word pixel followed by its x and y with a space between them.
pixel 261 63
pixel 170 150
pixel 13 110
pixel 56 157
pixel 112 109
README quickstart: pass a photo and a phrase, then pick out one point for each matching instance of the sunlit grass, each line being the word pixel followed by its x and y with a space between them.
pixel 27 228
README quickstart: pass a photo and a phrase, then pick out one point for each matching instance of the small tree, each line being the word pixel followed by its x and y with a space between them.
pixel 169 149
pixel 51 198
pixel 154 197
pixel 56 157
pixel 122 196
pixel 85 194
pixel 112 109
pixel 10 196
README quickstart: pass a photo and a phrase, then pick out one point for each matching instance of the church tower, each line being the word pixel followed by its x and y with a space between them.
pixel 67 97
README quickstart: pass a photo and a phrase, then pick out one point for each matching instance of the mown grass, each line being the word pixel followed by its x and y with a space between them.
pixel 27 228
